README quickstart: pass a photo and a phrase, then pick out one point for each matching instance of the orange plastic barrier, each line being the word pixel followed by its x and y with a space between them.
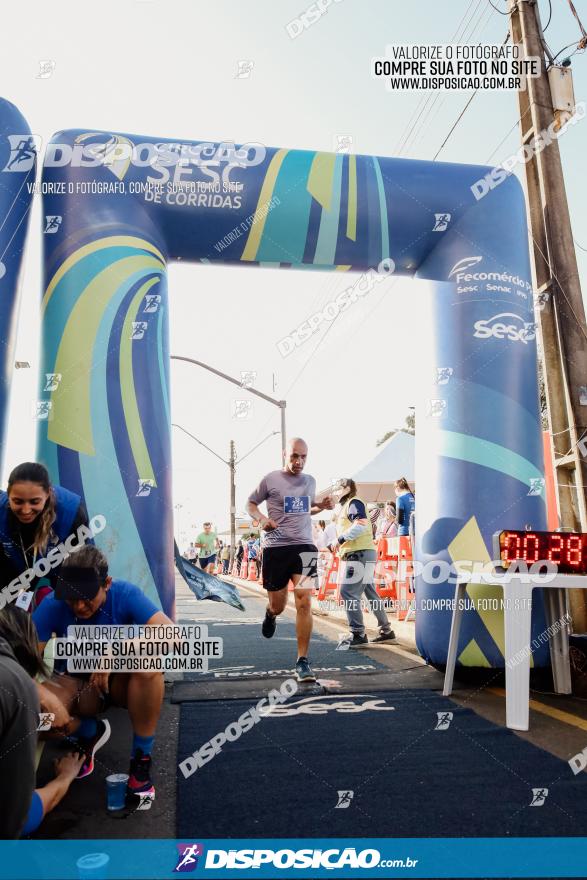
pixel 329 581
pixel 406 595
pixel 244 565
pixel 385 575
pixel 252 576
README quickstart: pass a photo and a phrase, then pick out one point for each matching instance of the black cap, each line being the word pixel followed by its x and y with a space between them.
pixel 74 583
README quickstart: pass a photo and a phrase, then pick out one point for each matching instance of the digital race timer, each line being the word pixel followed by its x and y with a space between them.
pixel 567 550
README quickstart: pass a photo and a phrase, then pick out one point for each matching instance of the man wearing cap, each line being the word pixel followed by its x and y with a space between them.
pixel 357 556
pixel 84 593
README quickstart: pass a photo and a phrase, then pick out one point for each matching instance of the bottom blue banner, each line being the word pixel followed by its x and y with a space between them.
pixel 334 858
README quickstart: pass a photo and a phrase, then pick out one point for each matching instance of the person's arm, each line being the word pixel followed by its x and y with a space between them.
pixel 360 522
pixel 267 524
pixel 46 798
pixel 7 570
pixel 257 497
pixel 80 519
pixel 159 618
pixel 327 503
pixel 135 608
pixel 399 513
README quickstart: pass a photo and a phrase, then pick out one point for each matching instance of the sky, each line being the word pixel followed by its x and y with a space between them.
pixel 170 69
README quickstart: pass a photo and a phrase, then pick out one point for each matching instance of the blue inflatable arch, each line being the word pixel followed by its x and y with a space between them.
pixel 118 208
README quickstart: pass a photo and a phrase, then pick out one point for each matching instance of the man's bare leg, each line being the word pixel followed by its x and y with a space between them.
pixel 276 601
pixel 142 694
pixel 303 599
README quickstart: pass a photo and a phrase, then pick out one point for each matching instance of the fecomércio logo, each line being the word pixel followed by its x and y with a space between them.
pixel 464 264
pixel 516 330
pixel 187 857
pixel 461 273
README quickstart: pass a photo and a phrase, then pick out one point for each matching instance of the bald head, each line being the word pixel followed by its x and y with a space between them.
pixel 296 453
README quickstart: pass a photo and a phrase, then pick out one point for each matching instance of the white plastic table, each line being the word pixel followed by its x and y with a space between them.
pixel 517 625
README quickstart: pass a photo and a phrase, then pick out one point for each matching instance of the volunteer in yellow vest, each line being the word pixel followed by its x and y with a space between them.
pixel 357 553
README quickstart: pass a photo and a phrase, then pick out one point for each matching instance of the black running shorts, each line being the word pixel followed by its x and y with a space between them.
pixel 280 563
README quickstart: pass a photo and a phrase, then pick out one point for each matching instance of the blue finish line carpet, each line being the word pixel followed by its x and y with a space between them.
pixel 371 765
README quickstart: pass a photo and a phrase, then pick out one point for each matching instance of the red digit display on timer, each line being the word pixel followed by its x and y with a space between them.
pixel 531 545
pixel 566 550
pixel 574 550
pixel 557 549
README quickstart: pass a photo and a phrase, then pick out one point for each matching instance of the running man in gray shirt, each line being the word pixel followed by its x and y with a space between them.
pixel 289 552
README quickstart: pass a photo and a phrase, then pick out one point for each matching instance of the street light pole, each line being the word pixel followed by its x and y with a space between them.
pixel 282 405
pixel 279 403
pixel 232 466
pixel 178 508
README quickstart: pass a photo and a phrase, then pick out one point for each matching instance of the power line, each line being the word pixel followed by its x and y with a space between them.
pixel 564 49
pixel 461 114
pixel 514 126
pixel 549 16
pixel 559 285
pixel 582 29
pixel 501 12
pixel 439 98
pixel 417 115
pixel 467 22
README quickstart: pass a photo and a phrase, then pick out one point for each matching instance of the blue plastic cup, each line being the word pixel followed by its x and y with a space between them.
pixel 94 866
pixel 116 791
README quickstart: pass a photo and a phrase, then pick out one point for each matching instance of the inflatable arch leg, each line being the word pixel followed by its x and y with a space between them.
pixel 18 156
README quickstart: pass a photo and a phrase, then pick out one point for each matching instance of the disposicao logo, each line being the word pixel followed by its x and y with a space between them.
pixel 23 152
pixel 187 857
pixel 330 859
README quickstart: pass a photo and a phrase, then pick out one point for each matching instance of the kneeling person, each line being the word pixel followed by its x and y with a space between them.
pixel 85 594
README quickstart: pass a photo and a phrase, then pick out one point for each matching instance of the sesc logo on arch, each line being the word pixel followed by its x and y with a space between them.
pixel 506 325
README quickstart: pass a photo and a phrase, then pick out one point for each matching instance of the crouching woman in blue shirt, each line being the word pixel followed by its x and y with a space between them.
pixel 85 594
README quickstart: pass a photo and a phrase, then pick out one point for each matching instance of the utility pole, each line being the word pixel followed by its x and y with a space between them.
pixel 561 313
pixel 232 466
pixel 282 404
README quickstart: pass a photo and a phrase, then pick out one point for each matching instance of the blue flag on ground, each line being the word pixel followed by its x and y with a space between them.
pixel 204 585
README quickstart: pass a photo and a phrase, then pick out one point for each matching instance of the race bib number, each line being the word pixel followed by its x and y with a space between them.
pixel 294 504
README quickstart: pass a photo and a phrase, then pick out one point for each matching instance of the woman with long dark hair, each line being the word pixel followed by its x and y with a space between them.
pixel 22 806
pixel 357 555
pixel 35 517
